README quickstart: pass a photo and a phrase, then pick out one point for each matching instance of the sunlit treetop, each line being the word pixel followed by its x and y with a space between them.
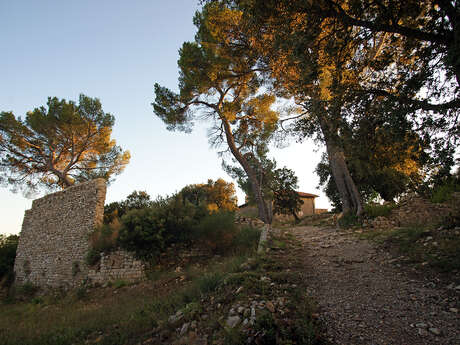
pixel 220 82
pixel 59 145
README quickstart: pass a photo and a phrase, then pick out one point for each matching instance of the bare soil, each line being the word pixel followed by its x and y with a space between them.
pixel 366 297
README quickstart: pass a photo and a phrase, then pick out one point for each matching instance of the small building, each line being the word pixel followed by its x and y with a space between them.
pixel 308 207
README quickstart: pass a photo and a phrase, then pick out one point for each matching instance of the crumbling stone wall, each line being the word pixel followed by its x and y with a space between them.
pixel 54 239
pixel 416 211
pixel 117 265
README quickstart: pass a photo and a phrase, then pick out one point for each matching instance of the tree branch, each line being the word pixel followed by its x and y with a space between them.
pixel 341 14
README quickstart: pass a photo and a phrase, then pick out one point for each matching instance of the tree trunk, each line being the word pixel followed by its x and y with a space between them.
pixel 453 47
pixel 351 200
pixel 263 238
pixel 63 180
pixel 296 217
pixel 262 207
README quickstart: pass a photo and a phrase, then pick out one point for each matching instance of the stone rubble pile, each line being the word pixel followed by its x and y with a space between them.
pixel 248 221
pixel 416 211
pixel 419 211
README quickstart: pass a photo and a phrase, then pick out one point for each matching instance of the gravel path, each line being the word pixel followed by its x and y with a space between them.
pixel 365 298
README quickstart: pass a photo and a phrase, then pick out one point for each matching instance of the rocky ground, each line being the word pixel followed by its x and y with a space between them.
pixel 315 285
pixel 365 296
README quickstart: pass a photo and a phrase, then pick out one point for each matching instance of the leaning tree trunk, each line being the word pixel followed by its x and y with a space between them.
pixel 265 213
pixel 262 207
pixel 351 199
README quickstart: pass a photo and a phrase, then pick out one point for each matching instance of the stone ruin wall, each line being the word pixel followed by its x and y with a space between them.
pixel 117 265
pixel 54 239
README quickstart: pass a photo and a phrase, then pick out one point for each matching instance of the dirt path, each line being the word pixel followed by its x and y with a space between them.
pixel 364 298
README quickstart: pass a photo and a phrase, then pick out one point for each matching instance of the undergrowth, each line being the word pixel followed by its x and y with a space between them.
pixel 348 220
pixel 439 248
pixel 376 210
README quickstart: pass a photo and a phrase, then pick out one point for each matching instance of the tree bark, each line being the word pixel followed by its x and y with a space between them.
pixel 262 207
pixel 263 238
pixel 454 45
pixel 296 217
pixel 64 182
pixel 351 199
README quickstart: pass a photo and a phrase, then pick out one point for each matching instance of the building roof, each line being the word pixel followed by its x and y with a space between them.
pixel 307 195
pixel 301 194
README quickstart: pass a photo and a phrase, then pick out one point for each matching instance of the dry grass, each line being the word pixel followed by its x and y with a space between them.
pixel 123 314
pixel 68 319
pixel 116 314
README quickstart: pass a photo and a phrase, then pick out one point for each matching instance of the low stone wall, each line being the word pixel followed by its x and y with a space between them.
pixel 249 221
pixel 321 210
pixel 117 265
pixel 381 223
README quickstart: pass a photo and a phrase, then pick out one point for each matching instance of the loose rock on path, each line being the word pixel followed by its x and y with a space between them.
pixel 364 298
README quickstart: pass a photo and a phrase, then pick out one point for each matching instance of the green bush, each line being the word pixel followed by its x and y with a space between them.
pixel 142 232
pixel 217 231
pixel 27 290
pixel 210 282
pixel 375 210
pixel 180 217
pixel 81 293
pixel 147 230
pixel 170 220
pixel 267 326
pixel 246 240
pixel 119 283
pixel 136 200
pixel 444 192
pixel 102 240
pixel 8 246
pixel 348 220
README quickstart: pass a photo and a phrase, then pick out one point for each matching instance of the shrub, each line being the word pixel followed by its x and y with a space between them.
pixel 444 192
pixel 119 283
pixel 142 232
pixel 75 268
pixel 180 217
pixel 266 325
pixel 246 239
pixel 102 240
pixel 27 290
pixel 81 292
pixel 218 231
pixel 210 282
pixel 8 246
pixel 136 200
pixel 348 220
pixel 146 227
pixel 376 210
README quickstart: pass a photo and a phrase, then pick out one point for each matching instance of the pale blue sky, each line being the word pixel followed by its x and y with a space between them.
pixel 115 50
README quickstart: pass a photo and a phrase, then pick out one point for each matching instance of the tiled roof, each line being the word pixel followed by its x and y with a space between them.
pixel 307 195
